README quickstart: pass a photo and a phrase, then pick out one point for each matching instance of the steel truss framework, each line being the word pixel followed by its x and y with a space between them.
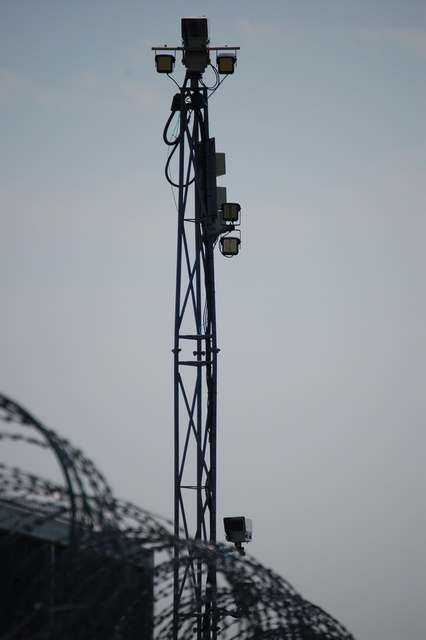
pixel 195 348
pixel 84 598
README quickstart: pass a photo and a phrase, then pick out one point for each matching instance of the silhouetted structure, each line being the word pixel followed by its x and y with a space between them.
pixel 205 219
pixel 76 563
pixel 71 567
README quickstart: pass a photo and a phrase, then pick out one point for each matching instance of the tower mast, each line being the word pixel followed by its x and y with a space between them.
pixel 202 222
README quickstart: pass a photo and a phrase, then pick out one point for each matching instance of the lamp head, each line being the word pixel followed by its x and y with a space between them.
pixel 230 212
pixel 226 63
pixel 165 62
pixel 230 246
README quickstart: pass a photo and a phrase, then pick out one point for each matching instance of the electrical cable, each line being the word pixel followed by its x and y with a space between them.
pixel 216 88
pixel 169 76
pixel 168 142
pixel 175 144
pixel 217 81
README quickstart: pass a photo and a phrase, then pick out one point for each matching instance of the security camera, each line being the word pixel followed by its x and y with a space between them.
pixel 238 530
pixel 195 39
pixel 195 32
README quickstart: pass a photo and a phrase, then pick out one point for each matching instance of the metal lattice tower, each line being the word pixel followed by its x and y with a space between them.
pixel 200 225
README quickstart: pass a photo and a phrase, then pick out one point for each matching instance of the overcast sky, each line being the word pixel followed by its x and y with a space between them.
pixel 321 318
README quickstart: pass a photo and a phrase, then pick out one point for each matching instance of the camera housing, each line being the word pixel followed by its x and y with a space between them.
pixel 195 32
pixel 238 529
pixel 195 39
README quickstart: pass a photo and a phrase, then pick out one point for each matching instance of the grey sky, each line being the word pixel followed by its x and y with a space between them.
pixel 320 318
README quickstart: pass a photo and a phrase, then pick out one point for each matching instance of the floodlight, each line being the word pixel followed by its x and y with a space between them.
pixel 165 62
pixel 226 63
pixel 230 245
pixel 230 212
pixel 195 33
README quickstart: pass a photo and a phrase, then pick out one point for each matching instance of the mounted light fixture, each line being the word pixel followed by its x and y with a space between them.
pixel 231 212
pixel 165 62
pixel 196 50
pixel 226 63
pixel 230 245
